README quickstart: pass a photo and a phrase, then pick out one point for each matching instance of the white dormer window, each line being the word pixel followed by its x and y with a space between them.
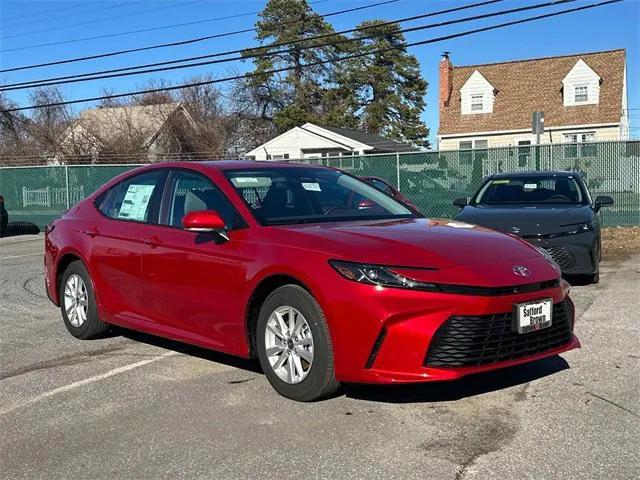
pixel 581 85
pixel 581 94
pixel 477 95
pixel 477 103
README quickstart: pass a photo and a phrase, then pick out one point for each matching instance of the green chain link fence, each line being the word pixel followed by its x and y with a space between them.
pixel 432 180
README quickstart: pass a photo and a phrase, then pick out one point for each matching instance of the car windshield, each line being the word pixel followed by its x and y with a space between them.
pixel 531 190
pixel 289 195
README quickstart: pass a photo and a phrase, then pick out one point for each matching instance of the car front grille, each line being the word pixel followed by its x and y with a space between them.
pixel 563 257
pixel 467 341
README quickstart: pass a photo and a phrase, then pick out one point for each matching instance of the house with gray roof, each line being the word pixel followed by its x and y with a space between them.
pixel 321 141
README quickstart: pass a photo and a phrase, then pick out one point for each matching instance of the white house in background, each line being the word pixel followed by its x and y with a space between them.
pixel 583 97
pixel 321 141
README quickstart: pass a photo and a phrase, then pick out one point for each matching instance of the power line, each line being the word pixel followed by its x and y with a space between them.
pixel 187 41
pixel 335 60
pixel 58 10
pixel 99 20
pixel 260 50
pixel 144 30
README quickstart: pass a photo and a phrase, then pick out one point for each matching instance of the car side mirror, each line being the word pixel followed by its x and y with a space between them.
pixel 460 202
pixel 602 201
pixel 204 221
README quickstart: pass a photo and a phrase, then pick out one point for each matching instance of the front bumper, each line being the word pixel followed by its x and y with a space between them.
pixel 383 335
pixel 575 254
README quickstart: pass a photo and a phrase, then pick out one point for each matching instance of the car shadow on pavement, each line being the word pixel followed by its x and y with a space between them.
pixel 191 350
pixel 469 386
pixel 455 390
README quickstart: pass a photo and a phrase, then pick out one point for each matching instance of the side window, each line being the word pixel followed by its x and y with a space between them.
pixel 383 187
pixel 132 198
pixel 189 192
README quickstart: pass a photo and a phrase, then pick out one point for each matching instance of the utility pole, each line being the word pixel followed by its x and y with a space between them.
pixel 537 128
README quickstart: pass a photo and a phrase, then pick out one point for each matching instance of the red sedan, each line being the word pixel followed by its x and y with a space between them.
pixel 317 274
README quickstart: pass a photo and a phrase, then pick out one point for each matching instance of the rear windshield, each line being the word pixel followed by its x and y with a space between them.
pixel 531 190
pixel 289 195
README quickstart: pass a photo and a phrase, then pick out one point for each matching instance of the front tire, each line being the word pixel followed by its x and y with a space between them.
pixel 78 303
pixel 294 345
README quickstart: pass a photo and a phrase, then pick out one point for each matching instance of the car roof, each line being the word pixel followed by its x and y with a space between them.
pixel 539 173
pixel 239 164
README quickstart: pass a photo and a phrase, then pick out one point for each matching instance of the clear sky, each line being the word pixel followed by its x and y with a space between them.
pixel 44 21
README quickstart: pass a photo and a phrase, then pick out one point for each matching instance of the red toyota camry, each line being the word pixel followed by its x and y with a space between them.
pixel 322 277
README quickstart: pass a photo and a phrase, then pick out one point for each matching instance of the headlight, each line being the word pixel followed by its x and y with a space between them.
pixel 378 275
pixel 579 228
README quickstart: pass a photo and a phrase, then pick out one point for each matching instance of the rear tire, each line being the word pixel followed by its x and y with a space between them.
pixel 21 228
pixel 302 344
pixel 78 303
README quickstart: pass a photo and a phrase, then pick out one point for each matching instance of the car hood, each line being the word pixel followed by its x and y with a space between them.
pixel 420 243
pixel 529 220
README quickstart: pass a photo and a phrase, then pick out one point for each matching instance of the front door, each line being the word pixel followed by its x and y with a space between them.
pixel 194 283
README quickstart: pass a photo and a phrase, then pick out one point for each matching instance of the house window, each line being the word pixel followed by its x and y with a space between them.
pixel 280 157
pixel 524 152
pixel 465 154
pixel 581 94
pixel 477 103
pixel 580 144
pixel 470 150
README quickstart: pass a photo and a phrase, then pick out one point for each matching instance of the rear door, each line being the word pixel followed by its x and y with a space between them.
pixel 117 243
pixel 194 283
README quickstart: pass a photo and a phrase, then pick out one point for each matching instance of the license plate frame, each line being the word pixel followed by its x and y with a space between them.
pixel 522 319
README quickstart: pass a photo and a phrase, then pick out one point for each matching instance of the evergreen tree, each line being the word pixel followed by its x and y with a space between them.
pixel 294 96
pixel 381 93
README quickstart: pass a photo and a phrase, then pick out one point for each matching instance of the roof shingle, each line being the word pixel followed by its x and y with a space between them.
pixel 525 86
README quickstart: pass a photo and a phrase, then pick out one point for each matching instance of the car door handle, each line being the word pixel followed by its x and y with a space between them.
pixel 92 232
pixel 151 241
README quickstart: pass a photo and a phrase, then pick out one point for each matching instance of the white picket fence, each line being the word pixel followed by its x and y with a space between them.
pixel 51 196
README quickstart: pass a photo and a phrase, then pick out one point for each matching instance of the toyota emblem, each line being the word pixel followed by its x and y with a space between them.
pixel 521 271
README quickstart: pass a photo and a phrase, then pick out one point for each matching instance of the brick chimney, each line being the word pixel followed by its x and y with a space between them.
pixel 446 69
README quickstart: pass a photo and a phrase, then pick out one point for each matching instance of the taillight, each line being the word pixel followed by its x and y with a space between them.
pixel 49 228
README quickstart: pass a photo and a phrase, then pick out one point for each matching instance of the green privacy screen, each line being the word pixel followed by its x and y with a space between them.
pixel 432 180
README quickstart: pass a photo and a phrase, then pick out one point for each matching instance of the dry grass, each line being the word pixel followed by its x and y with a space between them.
pixel 620 242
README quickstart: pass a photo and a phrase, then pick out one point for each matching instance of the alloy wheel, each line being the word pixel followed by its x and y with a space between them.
pixel 289 344
pixel 76 302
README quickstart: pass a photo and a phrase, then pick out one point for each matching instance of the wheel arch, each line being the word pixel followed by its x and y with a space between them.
pixel 259 294
pixel 62 263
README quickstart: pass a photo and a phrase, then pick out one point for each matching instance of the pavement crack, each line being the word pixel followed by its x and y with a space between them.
pixel 25 287
pixel 610 402
pixel 65 360
pixel 234 382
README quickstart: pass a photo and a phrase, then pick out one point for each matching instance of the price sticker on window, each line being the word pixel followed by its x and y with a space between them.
pixel 312 187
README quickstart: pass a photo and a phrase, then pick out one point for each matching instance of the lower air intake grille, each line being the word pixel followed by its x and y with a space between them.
pixel 466 341
pixel 563 257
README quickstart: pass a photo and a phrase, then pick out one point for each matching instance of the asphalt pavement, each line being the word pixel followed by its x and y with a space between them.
pixel 136 406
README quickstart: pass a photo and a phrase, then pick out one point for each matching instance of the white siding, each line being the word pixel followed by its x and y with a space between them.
pixel 308 141
pixel 581 75
pixel 476 85
pixel 624 119
pixel 508 139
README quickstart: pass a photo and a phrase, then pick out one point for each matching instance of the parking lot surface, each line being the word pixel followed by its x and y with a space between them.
pixel 136 406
